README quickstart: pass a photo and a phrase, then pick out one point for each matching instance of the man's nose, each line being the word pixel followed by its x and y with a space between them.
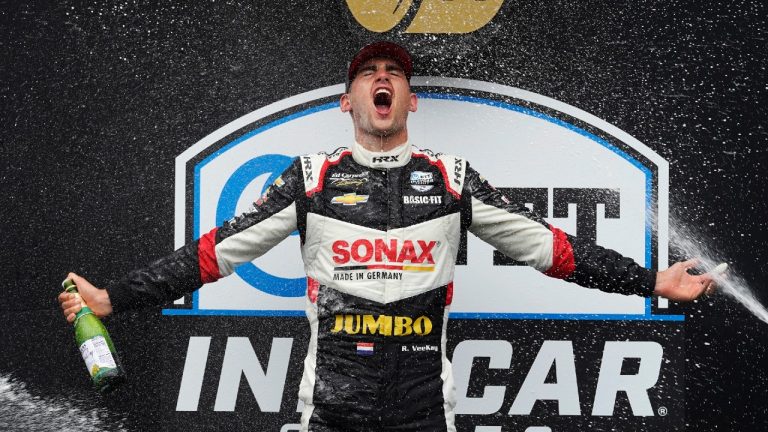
pixel 382 75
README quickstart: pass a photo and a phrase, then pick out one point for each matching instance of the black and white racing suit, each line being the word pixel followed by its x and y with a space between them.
pixel 379 239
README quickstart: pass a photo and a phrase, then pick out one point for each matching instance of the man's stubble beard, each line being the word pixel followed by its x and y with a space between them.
pixel 367 126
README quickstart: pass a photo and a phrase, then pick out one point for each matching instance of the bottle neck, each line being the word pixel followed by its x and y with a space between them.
pixel 83 312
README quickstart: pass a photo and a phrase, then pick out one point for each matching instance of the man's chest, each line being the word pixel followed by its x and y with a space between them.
pixel 383 199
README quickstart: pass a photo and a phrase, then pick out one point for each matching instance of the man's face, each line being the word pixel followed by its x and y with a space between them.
pixel 379 99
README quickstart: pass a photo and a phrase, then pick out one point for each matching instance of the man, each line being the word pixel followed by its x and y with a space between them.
pixel 380 224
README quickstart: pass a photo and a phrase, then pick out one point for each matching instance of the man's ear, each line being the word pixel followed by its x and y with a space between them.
pixel 414 103
pixel 344 103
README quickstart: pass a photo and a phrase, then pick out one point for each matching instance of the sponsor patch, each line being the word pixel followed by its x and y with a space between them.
pixel 307 162
pixel 348 180
pixel 422 181
pixel 263 198
pixel 422 199
pixel 458 171
pixel 349 199
pixel 365 348
pixel 364 254
pixel 382 325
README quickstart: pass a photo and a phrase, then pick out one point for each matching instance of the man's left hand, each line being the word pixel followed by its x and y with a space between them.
pixel 675 283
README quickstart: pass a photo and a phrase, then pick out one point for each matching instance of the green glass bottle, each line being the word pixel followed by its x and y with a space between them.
pixel 96 346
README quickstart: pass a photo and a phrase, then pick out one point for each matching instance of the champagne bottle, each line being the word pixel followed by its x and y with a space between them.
pixel 96 346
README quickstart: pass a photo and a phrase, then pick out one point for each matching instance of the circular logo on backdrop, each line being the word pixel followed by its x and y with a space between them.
pixel 579 172
pixel 226 208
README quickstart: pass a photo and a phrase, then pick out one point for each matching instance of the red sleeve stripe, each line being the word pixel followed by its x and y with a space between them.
pixel 449 294
pixel 563 261
pixel 313 287
pixel 206 258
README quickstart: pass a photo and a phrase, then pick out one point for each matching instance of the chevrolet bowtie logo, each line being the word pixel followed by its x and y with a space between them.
pixel 350 199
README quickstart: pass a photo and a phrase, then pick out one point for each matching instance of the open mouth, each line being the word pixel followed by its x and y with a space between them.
pixel 383 101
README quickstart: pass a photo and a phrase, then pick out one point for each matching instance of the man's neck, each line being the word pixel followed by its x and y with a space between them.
pixel 381 143
pixel 394 158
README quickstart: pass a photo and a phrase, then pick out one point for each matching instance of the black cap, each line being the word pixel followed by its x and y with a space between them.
pixel 381 49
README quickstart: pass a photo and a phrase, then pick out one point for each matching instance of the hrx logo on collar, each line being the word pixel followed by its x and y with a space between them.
pixel 379 159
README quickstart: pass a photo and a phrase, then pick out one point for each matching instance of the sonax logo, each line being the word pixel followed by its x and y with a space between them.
pixel 364 251
pixel 582 174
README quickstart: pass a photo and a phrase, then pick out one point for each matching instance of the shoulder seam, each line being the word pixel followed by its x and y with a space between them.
pixel 315 165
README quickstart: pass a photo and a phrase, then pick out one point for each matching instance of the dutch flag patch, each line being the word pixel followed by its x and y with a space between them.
pixel 365 348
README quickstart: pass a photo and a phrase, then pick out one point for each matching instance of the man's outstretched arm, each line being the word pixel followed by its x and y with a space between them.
pixel 524 236
pixel 214 255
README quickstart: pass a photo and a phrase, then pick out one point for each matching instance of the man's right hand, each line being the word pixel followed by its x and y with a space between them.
pixel 96 299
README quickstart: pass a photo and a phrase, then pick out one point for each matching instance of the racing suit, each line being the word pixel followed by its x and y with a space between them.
pixel 379 238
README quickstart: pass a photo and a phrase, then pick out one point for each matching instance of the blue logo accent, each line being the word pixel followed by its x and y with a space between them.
pixel 225 210
pixel 422 181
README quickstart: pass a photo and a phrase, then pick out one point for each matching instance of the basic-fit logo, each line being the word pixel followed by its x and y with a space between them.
pixel 431 16
pixel 580 173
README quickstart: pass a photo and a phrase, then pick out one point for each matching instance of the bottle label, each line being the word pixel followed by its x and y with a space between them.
pixel 96 354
